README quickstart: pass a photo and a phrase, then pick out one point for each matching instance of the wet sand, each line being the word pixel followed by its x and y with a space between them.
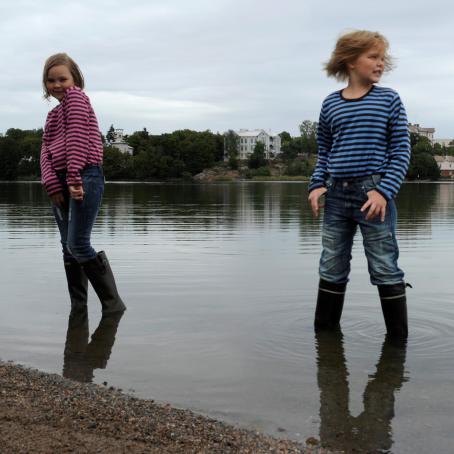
pixel 46 413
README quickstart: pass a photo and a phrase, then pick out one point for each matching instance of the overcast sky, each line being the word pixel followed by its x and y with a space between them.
pixel 219 64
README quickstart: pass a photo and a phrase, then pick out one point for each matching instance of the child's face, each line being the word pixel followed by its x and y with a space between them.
pixel 368 68
pixel 59 78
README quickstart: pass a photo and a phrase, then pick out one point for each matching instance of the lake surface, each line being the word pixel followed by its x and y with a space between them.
pixel 220 283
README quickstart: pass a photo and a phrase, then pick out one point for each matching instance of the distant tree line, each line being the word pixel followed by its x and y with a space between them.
pixel 179 154
pixel 184 153
pixel 176 155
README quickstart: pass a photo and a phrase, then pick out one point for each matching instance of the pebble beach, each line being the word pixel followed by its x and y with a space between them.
pixel 46 413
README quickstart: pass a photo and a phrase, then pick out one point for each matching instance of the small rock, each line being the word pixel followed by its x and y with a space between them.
pixel 311 441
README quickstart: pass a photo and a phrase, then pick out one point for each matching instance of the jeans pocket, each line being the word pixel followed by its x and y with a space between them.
pixel 93 187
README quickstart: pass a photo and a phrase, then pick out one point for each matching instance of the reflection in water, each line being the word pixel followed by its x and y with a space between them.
pixel 81 357
pixel 371 430
pixel 183 207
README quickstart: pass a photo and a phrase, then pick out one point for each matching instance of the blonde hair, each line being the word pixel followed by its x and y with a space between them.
pixel 62 59
pixel 349 47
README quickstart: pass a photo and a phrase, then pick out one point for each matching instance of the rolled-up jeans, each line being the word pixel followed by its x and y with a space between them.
pixel 75 218
pixel 343 202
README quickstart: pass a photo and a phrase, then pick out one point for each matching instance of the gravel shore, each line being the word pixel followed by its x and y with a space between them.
pixel 46 413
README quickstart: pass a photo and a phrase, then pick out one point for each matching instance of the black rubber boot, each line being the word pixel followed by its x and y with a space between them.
pixel 102 341
pixel 330 302
pixel 77 285
pixel 74 363
pixel 394 306
pixel 101 278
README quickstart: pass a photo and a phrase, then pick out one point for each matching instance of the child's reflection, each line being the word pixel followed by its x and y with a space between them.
pixel 81 357
pixel 371 430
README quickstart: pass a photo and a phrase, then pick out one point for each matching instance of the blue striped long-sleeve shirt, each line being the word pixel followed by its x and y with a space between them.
pixel 362 137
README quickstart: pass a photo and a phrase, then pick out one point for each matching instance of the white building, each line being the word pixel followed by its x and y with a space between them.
pixel 444 142
pixel 426 132
pixel 248 138
pixel 119 142
pixel 446 165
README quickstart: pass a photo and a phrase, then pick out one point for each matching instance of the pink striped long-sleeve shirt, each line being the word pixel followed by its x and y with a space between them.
pixel 71 140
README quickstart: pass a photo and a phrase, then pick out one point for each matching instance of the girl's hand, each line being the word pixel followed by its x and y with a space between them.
pixel 376 204
pixel 76 192
pixel 57 199
pixel 313 198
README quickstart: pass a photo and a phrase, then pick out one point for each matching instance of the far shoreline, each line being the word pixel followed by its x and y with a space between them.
pixel 296 179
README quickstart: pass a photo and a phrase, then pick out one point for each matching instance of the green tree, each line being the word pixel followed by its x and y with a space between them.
pixel 30 153
pixel 423 145
pixel 290 150
pixel 438 149
pixel 10 158
pixel 139 140
pixel 232 147
pixel 308 130
pixel 117 165
pixel 16 134
pixel 152 163
pixel 195 149
pixel 422 163
pixel 219 149
pixel 286 146
pixel 285 137
pixel 414 138
pixel 257 158
pixel 423 167
pixel 110 136
pixel 27 145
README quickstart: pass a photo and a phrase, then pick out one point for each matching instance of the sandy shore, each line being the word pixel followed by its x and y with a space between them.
pixel 46 413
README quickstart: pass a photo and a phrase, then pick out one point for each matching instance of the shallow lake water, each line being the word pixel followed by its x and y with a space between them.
pixel 220 283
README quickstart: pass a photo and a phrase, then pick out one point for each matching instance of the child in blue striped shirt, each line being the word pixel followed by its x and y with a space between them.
pixel 364 152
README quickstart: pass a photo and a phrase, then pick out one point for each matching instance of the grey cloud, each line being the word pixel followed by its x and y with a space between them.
pixel 219 64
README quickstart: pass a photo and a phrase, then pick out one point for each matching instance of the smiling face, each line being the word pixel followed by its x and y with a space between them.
pixel 59 78
pixel 368 68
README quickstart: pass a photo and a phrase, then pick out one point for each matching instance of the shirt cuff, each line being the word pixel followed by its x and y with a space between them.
pixel 317 185
pixel 53 188
pixel 387 195
pixel 73 179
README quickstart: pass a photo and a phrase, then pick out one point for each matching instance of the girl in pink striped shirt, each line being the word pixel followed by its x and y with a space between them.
pixel 71 170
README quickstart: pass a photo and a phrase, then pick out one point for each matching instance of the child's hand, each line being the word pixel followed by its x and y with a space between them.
pixel 76 192
pixel 376 204
pixel 57 199
pixel 313 198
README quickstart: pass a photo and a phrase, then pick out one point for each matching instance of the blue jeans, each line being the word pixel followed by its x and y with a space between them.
pixel 75 218
pixel 344 200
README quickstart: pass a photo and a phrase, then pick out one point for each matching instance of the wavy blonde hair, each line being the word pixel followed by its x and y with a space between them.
pixel 66 60
pixel 349 47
